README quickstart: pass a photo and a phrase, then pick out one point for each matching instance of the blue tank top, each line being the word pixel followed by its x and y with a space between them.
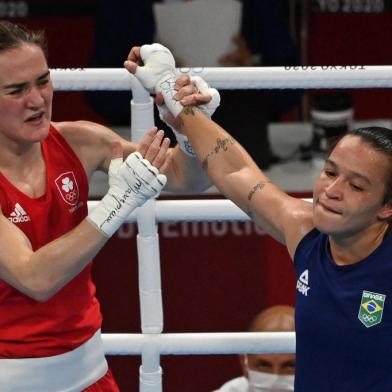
pixel 343 319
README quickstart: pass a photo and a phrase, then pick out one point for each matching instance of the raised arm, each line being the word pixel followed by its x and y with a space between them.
pixel 185 173
pixel 229 166
pixel 41 273
pixel 92 143
pixel 237 176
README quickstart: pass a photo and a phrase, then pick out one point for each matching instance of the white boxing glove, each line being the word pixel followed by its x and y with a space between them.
pixel 131 184
pixel 158 74
pixel 207 108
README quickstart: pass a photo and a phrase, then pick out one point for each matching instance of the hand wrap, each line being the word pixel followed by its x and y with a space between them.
pixel 207 108
pixel 131 183
pixel 158 74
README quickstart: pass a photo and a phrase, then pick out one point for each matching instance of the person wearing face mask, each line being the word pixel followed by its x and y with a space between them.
pixel 267 372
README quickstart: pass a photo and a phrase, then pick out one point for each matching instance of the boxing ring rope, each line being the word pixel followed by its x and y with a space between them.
pixel 202 343
pixel 356 76
pixel 192 210
pixel 152 343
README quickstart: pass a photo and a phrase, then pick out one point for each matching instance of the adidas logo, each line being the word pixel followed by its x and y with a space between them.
pixel 303 283
pixel 19 215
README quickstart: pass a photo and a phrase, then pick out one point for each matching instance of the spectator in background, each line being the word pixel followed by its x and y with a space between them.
pixel 267 372
pixel 265 41
pixel 119 25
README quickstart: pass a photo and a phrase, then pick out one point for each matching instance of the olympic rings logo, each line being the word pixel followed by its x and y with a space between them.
pixel 71 196
pixel 369 318
pixel 191 70
pixel 68 187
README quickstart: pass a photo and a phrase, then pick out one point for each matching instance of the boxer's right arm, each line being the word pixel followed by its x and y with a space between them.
pixel 236 175
pixel 230 167
pixel 40 274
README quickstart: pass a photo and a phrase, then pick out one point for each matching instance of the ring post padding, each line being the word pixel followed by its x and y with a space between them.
pixel 151 308
pixel 150 372
pixel 150 382
pixel 142 118
pixel 150 293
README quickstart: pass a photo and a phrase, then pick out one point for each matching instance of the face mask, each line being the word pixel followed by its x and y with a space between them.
pixel 266 382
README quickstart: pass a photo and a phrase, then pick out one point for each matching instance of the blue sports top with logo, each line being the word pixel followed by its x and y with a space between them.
pixel 68 319
pixel 343 319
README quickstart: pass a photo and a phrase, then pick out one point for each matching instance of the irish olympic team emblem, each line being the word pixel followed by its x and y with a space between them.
pixel 68 188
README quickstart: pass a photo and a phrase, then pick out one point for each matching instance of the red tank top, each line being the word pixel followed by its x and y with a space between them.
pixel 29 328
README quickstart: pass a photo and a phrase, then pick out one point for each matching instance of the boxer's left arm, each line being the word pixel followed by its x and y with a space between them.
pixel 154 66
pixel 92 143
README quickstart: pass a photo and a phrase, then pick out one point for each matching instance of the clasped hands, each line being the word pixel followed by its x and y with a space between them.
pixel 154 66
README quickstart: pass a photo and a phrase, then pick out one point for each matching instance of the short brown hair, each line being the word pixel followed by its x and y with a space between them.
pixel 13 35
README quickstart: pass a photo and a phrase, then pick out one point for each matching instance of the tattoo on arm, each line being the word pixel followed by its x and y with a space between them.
pixel 204 164
pixel 258 186
pixel 190 110
pixel 221 145
pixel 249 212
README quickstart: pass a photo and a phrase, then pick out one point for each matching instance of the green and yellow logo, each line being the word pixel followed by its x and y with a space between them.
pixel 371 308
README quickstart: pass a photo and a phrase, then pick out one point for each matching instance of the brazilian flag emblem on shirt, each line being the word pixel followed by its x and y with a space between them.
pixel 371 308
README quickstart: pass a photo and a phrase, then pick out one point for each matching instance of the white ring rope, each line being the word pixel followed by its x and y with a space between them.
pixel 192 210
pixel 358 76
pixel 202 343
